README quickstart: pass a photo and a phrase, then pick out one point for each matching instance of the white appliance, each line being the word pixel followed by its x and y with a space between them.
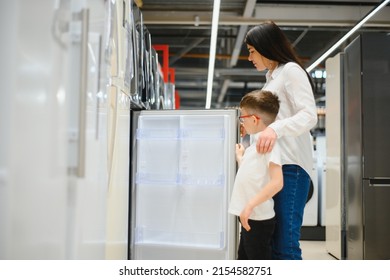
pixel 321 171
pixel 310 214
pixel 335 220
pixel 322 197
pixel 183 173
pixel 121 70
pixel 64 153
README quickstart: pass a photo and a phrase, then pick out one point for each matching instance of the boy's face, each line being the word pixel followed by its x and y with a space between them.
pixel 248 121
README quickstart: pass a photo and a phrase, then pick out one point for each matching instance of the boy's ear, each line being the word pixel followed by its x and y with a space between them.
pixel 242 131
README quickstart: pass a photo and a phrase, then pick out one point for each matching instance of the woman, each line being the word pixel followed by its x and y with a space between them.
pixel 270 49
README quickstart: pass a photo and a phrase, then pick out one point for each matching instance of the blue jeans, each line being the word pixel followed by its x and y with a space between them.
pixel 289 205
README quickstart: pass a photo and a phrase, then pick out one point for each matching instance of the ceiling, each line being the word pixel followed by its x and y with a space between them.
pixel 185 26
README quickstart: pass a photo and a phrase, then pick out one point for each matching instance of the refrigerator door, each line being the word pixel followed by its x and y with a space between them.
pixel 184 173
pixel 376 148
pixel 118 130
pixel 366 144
pixel 335 224
pixel 376 219
pixel 53 125
pixel 33 122
pixel 87 191
pixel 375 104
pixel 118 185
pixel 353 150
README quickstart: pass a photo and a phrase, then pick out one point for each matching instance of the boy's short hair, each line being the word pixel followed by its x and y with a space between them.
pixel 261 102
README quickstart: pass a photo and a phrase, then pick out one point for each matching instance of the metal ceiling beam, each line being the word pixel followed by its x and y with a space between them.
pixel 248 12
pixel 180 71
pixel 324 48
pixel 282 14
pixel 300 37
pixel 225 87
pixel 185 50
pixel 359 24
pixel 236 85
pixel 319 13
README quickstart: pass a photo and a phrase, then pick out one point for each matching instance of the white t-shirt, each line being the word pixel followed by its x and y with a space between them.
pixel 251 177
pixel 297 114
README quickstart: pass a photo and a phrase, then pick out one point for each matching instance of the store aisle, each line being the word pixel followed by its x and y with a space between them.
pixel 315 250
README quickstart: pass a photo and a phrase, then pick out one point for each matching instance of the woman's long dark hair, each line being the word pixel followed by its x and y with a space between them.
pixel 270 41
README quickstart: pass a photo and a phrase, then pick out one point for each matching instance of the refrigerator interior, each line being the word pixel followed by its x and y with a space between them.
pixel 183 174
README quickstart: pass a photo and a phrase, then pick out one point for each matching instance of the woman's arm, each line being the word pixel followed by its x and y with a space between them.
pixel 302 103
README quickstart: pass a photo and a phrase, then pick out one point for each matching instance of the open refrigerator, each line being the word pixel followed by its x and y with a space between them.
pixel 183 168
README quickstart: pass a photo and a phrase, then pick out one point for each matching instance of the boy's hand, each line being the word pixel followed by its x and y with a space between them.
pixel 240 150
pixel 244 217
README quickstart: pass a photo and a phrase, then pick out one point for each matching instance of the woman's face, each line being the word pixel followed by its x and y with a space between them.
pixel 256 58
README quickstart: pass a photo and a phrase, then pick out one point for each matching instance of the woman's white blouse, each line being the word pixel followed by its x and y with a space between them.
pixel 297 114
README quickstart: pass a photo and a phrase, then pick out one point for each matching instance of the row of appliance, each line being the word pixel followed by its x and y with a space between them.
pixel 142 71
pixel 86 174
pixel 77 86
pixel 358 150
pixel 69 81
pixel 148 86
pixel 86 170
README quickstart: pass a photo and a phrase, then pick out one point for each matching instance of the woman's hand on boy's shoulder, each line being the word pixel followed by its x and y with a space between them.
pixel 266 141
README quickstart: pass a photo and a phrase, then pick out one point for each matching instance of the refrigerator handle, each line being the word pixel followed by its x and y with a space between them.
pixel 379 182
pixel 84 17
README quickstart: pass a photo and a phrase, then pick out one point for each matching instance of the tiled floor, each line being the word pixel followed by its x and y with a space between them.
pixel 315 250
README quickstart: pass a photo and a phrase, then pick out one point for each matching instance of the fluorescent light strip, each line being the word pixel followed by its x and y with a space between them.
pixel 346 36
pixel 213 47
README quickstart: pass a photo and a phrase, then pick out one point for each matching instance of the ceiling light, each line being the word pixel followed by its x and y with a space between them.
pixel 213 47
pixel 346 36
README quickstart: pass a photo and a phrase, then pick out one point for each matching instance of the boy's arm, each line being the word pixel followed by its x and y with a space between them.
pixel 240 150
pixel 273 187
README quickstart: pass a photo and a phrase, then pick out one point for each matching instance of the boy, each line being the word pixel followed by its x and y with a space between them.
pixel 258 178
